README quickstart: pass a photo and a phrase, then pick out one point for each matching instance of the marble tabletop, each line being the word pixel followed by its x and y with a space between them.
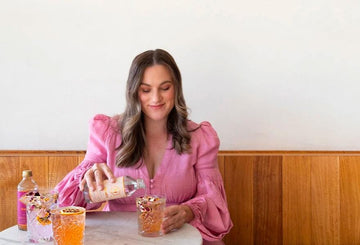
pixel 114 228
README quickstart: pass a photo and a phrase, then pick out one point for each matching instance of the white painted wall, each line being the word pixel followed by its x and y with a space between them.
pixel 269 75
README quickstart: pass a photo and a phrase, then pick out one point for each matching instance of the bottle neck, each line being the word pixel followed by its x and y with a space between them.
pixel 140 184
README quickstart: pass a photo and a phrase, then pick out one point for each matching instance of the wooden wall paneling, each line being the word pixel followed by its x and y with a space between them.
pixel 325 200
pixel 10 176
pixel 81 157
pixel 296 200
pixel 222 171
pixel 350 200
pixel 40 169
pixel 238 182
pixel 59 167
pixel 268 200
pixel 221 165
pixel 273 197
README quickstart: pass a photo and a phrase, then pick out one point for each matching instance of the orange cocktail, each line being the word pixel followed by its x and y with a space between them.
pixel 68 225
pixel 150 211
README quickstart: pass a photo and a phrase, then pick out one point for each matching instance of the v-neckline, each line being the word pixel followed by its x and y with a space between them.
pixel 162 162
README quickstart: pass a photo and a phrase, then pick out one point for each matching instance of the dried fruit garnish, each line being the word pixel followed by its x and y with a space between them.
pixel 43 216
pixel 71 211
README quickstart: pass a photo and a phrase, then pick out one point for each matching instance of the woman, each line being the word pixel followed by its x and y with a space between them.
pixel 154 140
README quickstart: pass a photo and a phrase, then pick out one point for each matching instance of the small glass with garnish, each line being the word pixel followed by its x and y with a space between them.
pixel 38 207
pixel 68 225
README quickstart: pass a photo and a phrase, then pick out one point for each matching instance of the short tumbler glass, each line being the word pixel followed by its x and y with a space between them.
pixel 150 210
pixel 68 225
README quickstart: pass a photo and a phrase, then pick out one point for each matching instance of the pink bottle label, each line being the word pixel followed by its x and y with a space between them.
pixel 21 211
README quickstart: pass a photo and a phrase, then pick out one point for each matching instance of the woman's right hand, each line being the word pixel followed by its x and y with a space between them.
pixel 95 176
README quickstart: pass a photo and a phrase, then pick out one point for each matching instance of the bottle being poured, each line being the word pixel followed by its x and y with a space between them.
pixel 124 186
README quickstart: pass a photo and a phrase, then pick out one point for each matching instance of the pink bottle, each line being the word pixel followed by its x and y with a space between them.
pixel 26 184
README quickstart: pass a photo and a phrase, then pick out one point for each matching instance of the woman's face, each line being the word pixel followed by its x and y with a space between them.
pixel 156 93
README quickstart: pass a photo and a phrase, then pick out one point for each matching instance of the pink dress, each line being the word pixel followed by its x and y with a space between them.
pixel 192 179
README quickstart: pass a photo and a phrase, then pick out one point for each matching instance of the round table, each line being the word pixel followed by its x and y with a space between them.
pixel 114 228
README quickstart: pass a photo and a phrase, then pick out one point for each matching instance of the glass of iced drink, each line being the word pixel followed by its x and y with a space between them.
pixel 68 225
pixel 38 207
pixel 150 210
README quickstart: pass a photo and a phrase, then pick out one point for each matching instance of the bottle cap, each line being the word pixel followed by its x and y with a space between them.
pixel 27 173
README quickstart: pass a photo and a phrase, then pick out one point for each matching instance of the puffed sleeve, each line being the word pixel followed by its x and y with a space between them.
pixel 212 217
pixel 68 188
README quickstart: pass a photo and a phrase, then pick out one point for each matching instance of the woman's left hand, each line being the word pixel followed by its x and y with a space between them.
pixel 175 216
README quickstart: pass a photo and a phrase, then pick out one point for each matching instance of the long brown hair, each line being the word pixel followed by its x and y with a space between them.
pixel 131 123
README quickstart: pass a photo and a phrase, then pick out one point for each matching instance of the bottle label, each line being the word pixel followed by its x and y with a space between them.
pixel 21 211
pixel 110 191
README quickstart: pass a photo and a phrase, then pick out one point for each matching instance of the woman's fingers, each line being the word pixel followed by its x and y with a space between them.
pixel 82 184
pixel 98 175
pixel 89 178
pixel 175 217
pixel 94 177
pixel 108 173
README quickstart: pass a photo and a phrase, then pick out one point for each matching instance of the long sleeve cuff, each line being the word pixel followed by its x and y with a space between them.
pixel 211 215
pixel 69 191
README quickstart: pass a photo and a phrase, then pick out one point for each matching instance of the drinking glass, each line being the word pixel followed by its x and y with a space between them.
pixel 68 225
pixel 38 207
pixel 150 210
